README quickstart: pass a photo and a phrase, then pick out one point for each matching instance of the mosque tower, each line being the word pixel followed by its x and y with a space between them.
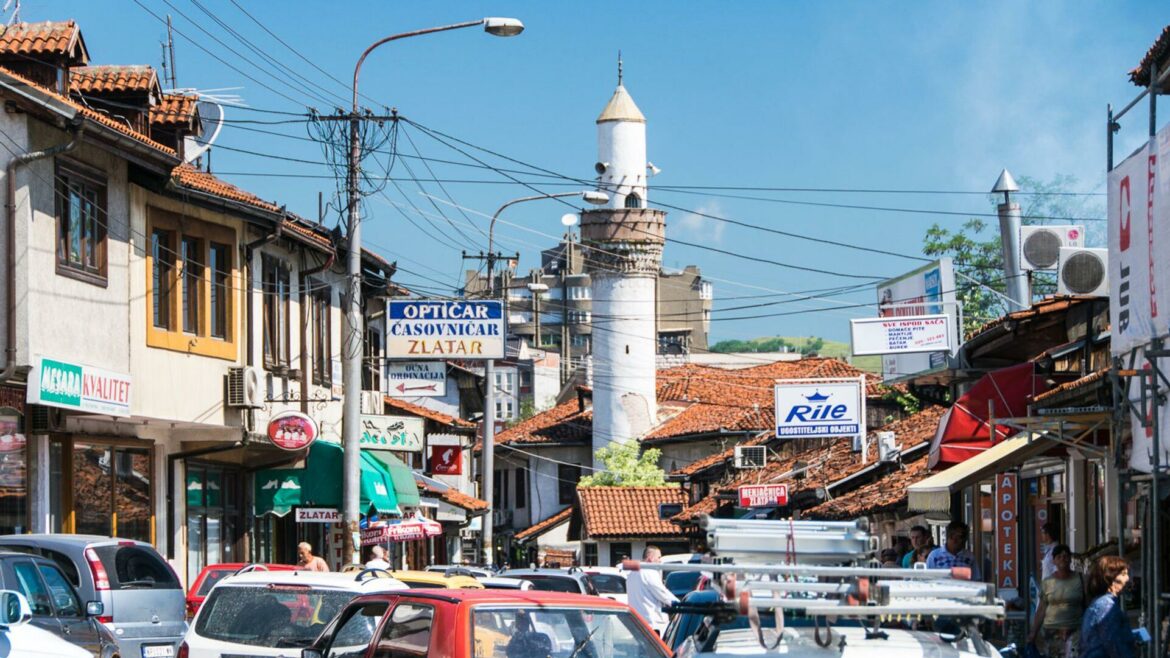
pixel 623 245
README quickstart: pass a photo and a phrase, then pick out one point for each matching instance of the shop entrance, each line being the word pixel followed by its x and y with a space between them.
pixel 215 520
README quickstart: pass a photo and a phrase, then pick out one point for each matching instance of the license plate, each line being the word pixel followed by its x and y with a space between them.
pixel 158 651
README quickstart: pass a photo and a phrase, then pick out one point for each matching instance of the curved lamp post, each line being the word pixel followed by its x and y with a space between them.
pixel 355 323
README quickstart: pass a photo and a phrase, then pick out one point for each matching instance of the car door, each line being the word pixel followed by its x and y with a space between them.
pixel 24 578
pixel 76 626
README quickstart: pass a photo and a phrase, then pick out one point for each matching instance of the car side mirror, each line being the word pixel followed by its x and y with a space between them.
pixel 95 608
pixel 310 653
pixel 14 608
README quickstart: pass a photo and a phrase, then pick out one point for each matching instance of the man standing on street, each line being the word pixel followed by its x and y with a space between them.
pixel 647 594
pixel 307 561
pixel 377 559
pixel 919 537
pixel 954 552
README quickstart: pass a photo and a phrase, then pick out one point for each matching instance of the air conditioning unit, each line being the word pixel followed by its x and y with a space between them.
pixel 373 403
pixel 40 419
pixel 1083 272
pixel 888 451
pixel 245 388
pixel 1040 245
pixel 751 456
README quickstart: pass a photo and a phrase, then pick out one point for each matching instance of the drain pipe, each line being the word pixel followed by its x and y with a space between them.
pixel 305 304
pixel 76 128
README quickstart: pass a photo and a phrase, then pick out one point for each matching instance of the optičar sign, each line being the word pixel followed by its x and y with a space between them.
pixel 81 388
pixel 434 329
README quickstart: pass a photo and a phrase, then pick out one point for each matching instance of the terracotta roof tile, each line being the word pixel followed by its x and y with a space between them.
pixel 189 177
pixel 92 115
pixel 424 412
pixel 564 423
pixel 884 494
pixel 615 512
pixel 453 496
pixel 720 458
pixel 1140 75
pixel 174 110
pixel 47 38
pixel 107 79
pixel 821 465
pixel 1074 385
pixel 539 528
pixel 1053 304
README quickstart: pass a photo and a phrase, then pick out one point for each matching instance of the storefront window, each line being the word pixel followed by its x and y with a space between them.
pixel 212 516
pixel 107 487
pixel 132 498
pixel 13 462
pixel 92 487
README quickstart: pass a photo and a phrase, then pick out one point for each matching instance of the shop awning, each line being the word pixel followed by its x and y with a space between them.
pixel 934 493
pixel 319 483
pixel 402 477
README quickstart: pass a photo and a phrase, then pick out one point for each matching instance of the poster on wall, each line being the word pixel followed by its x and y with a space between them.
pixel 1132 305
pixel 928 290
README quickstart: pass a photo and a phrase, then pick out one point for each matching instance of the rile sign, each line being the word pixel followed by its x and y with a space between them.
pixel 819 408
pixel 763 495
pixel 435 329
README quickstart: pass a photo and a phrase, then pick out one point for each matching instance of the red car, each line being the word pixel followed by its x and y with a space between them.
pixel 213 573
pixel 485 623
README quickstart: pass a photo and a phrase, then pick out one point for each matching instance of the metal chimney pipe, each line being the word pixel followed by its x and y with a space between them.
pixel 1015 283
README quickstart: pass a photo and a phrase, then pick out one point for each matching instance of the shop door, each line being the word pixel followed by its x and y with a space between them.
pixel 213 517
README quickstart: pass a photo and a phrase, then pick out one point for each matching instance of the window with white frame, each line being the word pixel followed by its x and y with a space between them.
pixel 580 292
pixel 579 317
pixel 706 290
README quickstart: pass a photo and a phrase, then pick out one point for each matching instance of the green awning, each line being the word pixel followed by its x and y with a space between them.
pixel 319 483
pixel 404 484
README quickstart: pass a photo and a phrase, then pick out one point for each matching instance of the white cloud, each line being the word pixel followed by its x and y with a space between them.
pixel 694 227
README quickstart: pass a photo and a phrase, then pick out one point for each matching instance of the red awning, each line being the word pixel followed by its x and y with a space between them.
pixel 964 431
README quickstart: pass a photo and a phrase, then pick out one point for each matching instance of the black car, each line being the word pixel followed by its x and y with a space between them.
pixel 56 607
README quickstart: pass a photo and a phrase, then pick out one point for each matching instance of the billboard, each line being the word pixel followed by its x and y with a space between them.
pixel 420 329
pixel 928 290
pixel 820 408
pixel 906 335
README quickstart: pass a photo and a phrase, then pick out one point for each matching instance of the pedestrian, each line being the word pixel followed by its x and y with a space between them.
pixel 308 561
pixel 377 559
pixel 921 555
pixel 902 546
pixel 646 594
pixel 1062 605
pixel 1105 631
pixel 919 539
pixel 1049 534
pixel 954 553
pixel 890 558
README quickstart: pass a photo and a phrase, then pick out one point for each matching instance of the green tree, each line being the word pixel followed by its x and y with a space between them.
pixel 977 253
pixel 624 467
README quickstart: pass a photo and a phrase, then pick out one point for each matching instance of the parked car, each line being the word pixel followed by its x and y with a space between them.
pixel 478 572
pixel 430 579
pixel 609 582
pixel 213 573
pixel 488 624
pixel 24 640
pixel 505 583
pixel 55 605
pixel 267 613
pixel 681 582
pixel 554 580
pixel 142 599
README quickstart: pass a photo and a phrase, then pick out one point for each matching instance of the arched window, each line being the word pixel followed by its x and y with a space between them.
pixel 633 201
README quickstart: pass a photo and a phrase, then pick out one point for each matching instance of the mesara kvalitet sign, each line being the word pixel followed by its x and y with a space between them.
pixel 79 387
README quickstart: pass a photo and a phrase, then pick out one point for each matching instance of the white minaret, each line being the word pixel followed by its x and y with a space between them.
pixel 623 244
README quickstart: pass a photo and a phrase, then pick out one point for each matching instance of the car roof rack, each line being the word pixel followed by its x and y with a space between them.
pixel 823 570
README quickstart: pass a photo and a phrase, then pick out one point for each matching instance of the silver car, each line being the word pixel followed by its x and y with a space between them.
pixel 142 599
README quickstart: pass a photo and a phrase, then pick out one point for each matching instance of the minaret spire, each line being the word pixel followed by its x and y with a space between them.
pixel 619 68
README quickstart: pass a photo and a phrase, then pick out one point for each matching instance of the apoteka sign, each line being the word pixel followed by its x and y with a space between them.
pixel 763 495
pixel 820 408
pixel 292 430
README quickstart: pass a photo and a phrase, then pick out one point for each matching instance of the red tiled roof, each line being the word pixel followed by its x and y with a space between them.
pixel 47 38
pixel 189 177
pixel 822 465
pixel 617 512
pixel 453 496
pixel 108 79
pixel 92 115
pixel 424 412
pixel 539 528
pixel 564 423
pixel 1140 75
pixel 1053 304
pixel 174 109
pixel 884 494
pixel 1068 387
pixel 719 458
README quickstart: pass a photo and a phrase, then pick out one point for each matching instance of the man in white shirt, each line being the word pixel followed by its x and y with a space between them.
pixel 646 593
pixel 377 559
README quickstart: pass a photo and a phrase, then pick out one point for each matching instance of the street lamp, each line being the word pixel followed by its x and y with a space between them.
pixel 593 197
pixel 355 323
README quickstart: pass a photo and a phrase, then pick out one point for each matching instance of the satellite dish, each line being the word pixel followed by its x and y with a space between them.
pixel 569 219
pixel 211 117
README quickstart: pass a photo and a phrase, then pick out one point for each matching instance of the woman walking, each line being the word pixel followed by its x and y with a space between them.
pixel 1062 605
pixel 1105 631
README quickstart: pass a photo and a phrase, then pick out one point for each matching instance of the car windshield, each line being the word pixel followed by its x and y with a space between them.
pixel 269 615
pixel 554 583
pixel 511 632
pixel 212 577
pixel 607 583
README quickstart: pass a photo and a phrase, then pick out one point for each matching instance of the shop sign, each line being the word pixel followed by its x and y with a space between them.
pixel 411 529
pixel 437 329
pixel 417 379
pixel 763 495
pixel 81 388
pixel 318 515
pixel 928 290
pixel 1007 543
pixel 392 433
pixel 907 335
pixel 292 430
pixel 819 408
pixel 446 460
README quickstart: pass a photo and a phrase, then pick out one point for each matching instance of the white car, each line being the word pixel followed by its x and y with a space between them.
pixel 455 569
pixel 275 613
pixel 845 640
pixel 26 641
pixel 505 583
pixel 609 581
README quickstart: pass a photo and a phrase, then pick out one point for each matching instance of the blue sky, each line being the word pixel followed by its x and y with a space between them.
pixel 840 95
